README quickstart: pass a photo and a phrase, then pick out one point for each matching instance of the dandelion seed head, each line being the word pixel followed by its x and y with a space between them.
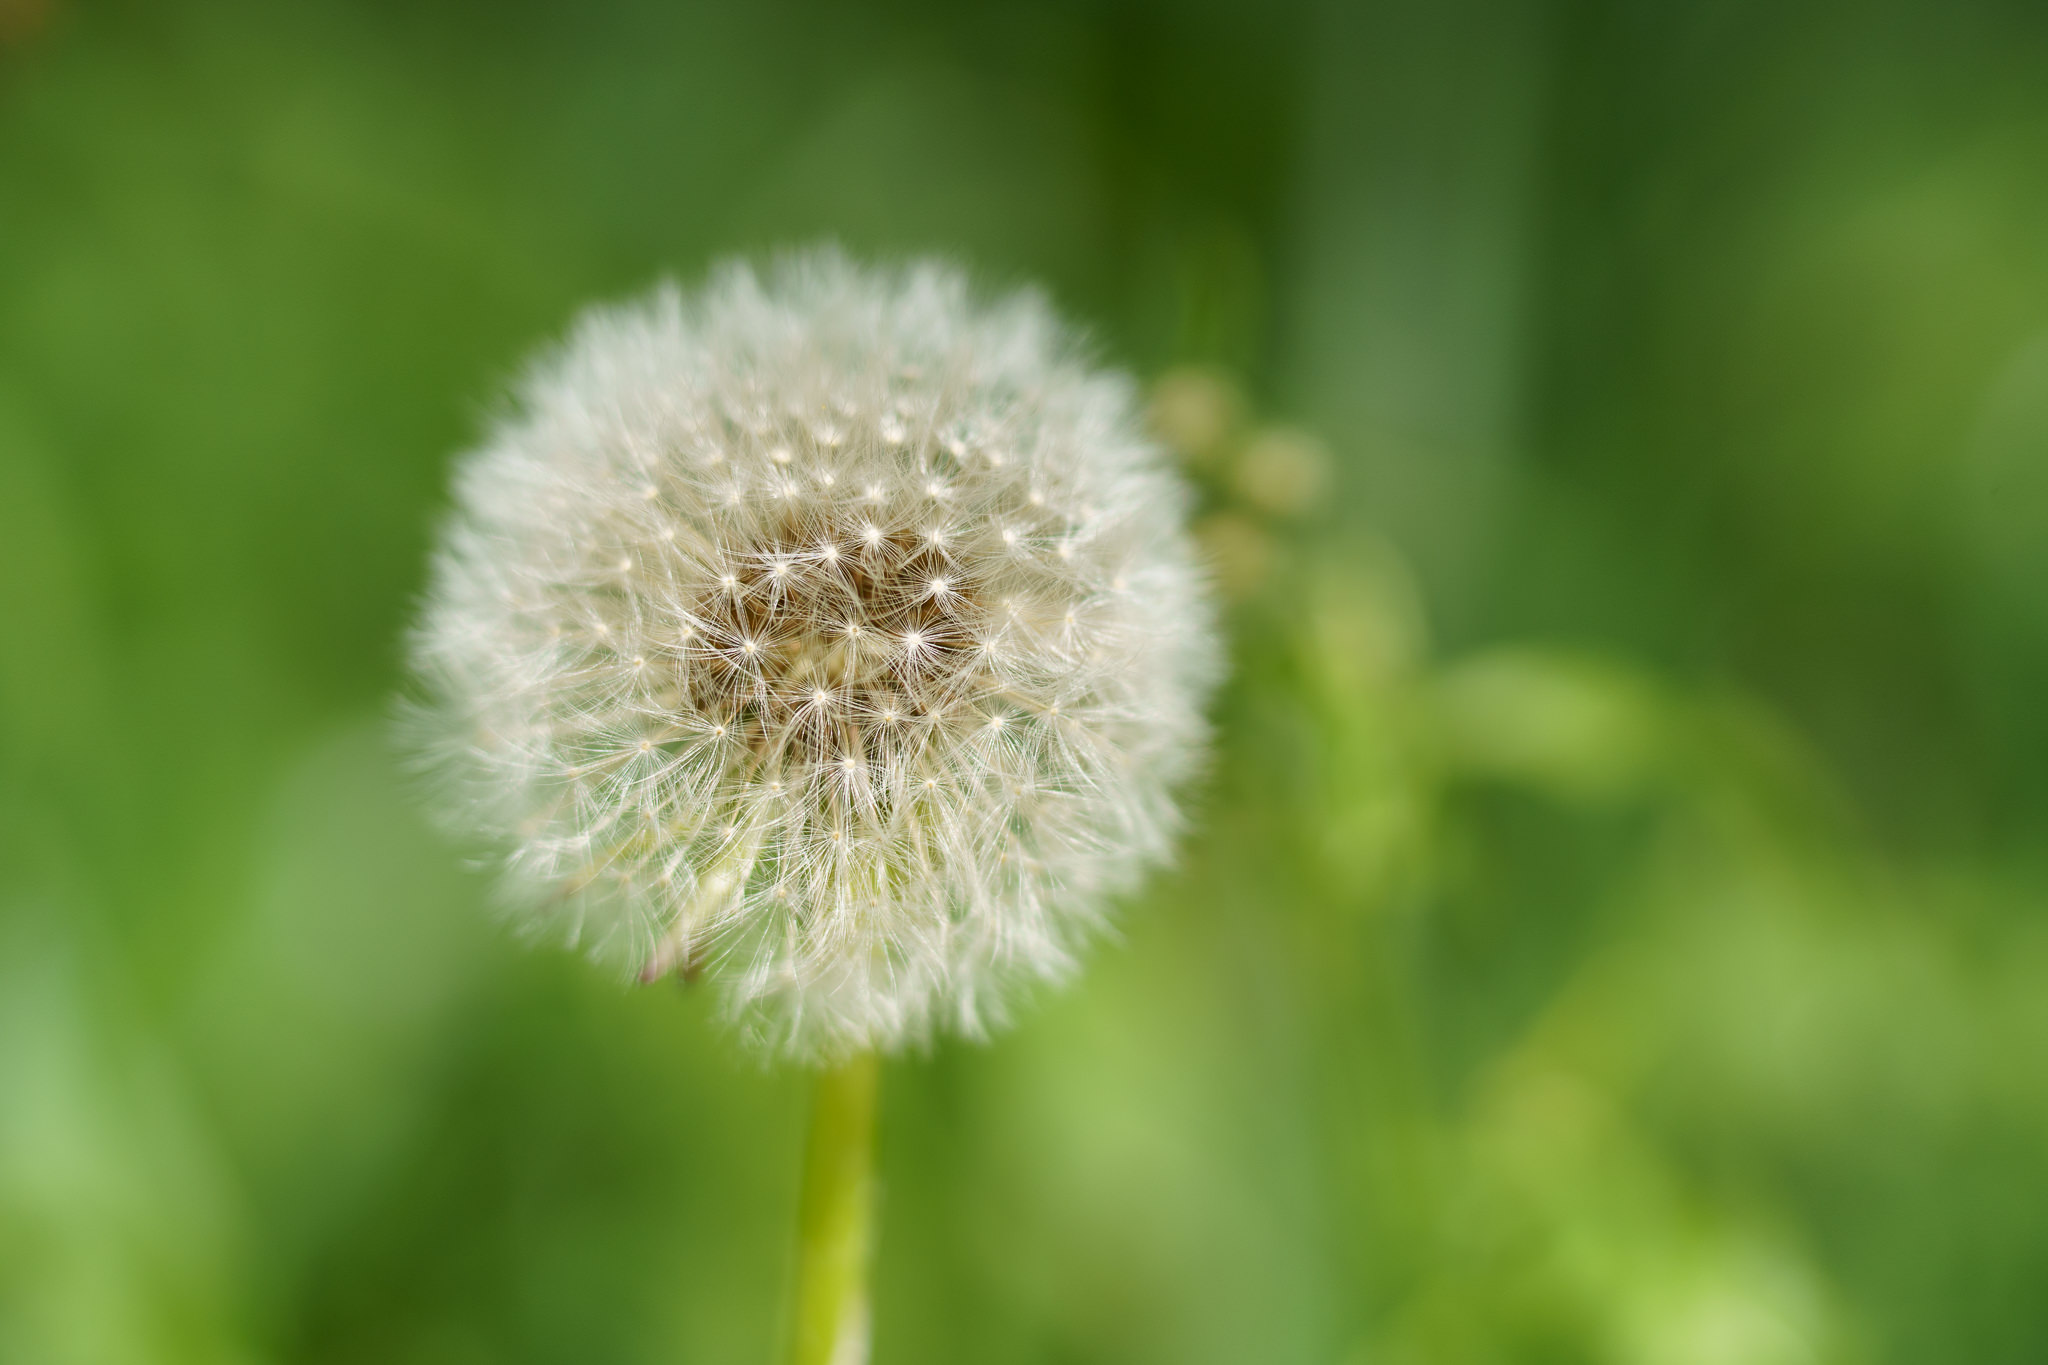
pixel 697 660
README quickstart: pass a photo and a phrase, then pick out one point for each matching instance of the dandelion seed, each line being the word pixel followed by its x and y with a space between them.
pixel 851 730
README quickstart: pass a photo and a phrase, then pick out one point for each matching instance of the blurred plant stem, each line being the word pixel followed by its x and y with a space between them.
pixel 836 1219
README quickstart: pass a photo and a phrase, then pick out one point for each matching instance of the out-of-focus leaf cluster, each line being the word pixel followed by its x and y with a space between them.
pixel 1630 973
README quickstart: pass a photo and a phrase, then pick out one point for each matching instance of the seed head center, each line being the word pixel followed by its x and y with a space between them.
pixel 782 659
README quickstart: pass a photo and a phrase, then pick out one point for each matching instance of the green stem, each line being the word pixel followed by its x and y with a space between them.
pixel 836 1219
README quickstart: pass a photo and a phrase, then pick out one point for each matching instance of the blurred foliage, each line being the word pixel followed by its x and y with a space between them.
pixel 1613 929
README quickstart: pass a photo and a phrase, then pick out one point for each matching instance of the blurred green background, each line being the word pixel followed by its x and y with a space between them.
pixel 1616 923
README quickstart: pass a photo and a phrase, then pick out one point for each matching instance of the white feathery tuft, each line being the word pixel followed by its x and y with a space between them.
pixel 830 634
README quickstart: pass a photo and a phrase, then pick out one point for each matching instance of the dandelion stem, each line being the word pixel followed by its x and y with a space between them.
pixel 836 1219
